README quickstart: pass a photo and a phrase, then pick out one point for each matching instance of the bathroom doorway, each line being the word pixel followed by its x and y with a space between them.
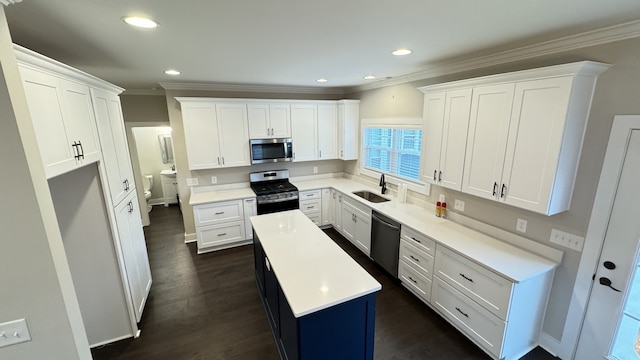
pixel 151 150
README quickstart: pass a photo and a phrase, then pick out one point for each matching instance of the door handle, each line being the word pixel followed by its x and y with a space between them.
pixel 606 282
pixel 440 176
pixel 434 174
pixel 504 187
pixel 495 188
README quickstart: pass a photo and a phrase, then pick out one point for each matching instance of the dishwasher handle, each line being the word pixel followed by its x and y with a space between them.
pixel 394 227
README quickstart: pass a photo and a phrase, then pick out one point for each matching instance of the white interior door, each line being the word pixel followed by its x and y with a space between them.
pixel 612 320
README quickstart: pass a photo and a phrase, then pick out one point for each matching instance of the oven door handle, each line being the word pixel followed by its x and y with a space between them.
pixel 277 200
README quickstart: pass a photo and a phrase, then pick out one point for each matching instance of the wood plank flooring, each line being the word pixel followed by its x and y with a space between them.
pixel 206 306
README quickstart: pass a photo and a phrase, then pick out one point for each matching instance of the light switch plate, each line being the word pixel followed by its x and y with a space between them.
pixel 192 181
pixel 567 240
pixel 14 332
pixel 214 179
pixel 315 169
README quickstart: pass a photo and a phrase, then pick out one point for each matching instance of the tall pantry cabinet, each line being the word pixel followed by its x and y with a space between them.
pixel 79 127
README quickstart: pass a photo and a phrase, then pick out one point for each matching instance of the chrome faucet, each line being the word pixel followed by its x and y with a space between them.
pixel 383 184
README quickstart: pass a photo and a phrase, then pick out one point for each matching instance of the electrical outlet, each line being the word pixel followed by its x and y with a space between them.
pixel 192 181
pixel 521 225
pixel 14 332
pixel 315 169
pixel 567 240
pixel 441 199
pixel 214 179
pixel 458 205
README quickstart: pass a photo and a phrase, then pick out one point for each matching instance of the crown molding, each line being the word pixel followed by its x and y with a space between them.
pixel 153 92
pixel 606 35
pixel 251 88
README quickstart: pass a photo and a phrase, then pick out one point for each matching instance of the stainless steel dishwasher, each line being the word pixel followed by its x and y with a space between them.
pixel 385 242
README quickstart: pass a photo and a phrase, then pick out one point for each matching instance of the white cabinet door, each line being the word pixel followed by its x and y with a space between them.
pixel 233 135
pixel 327 207
pixel 337 209
pixel 134 252
pixel 487 140
pixel 348 129
pixel 304 131
pixel 63 121
pixel 250 209
pixel 327 131
pixel 433 113
pixel 454 138
pixel 538 127
pixel 349 223
pixel 363 233
pixel 115 152
pixel 169 189
pixel 79 120
pixel 280 118
pixel 269 120
pixel 201 132
pixel 258 118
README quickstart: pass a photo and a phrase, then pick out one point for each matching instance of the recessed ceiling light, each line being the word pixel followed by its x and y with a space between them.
pixel 172 72
pixel 141 22
pixel 322 80
pixel 401 52
pixel 369 77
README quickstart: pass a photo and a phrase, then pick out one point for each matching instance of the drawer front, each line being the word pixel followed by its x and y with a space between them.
pixel 486 329
pixel 485 287
pixel 413 280
pixel 316 218
pixel 216 235
pixel 311 206
pixel 417 259
pixel 419 240
pixel 311 194
pixel 215 213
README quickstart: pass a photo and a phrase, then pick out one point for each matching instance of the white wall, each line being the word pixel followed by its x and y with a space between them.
pixel 36 282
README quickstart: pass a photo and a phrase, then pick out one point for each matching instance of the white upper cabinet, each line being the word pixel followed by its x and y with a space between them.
pixel 525 134
pixel 62 116
pixel 304 131
pixel 327 131
pixel 348 129
pixel 487 140
pixel 446 116
pixel 114 144
pixel 269 120
pixel 216 134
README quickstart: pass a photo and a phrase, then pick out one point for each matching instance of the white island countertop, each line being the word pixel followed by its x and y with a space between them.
pixel 312 270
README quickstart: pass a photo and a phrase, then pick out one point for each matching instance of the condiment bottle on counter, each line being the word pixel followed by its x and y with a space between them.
pixel 443 210
pixel 438 209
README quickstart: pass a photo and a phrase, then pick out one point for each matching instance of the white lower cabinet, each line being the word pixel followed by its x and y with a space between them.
pixel 336 198
pixel 250 209
pixel 311 205
pixel 356 224
pixel 414 281
pixel 415 266
pixel 220 225
pixel 327 207
pixel 501 316
pixel 169 189
pixel 134 251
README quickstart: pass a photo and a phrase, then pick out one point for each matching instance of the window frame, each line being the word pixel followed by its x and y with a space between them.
pixel 393 123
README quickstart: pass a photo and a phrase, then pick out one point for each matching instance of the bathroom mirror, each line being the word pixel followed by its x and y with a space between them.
pixel 166 149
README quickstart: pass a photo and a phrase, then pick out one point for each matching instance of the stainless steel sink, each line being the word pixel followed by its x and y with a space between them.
pixel 369 196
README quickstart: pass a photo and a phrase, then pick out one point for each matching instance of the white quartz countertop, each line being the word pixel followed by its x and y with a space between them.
pixel 312 270
pixel 507 260
pixel 198 198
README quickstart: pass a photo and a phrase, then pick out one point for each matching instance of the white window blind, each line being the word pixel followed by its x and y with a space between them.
pixel 393 151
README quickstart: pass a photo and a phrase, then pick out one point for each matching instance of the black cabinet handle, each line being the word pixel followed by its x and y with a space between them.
pixel 607 282
pixel 440 176
pixel 466 278
pixel 416 240
pixel 76 151
pixel 81 149
pixel 495 188
pixel 223 234
pixel 434 174
pixel 219 213
pixel 410 278
pixel 462 312
pixel 504 187
pixel 414 258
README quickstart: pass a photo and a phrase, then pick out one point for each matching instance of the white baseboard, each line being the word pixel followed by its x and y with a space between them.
pixel 189 238
pixel 550 344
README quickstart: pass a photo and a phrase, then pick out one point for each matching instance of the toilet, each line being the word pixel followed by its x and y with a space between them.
pixel 147 185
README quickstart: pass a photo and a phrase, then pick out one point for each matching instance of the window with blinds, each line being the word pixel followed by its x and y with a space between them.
pixel 393 151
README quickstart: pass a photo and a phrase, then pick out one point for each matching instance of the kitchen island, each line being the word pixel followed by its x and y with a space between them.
pixel 319 302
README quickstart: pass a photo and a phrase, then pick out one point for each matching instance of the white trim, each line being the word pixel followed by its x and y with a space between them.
pixel 605 35
pixel 251 88
pixel 548 343
pixel 9 2
pixel 190 238
pixel 602 207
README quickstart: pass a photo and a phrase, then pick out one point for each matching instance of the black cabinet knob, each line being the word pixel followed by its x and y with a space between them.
pixel 609 265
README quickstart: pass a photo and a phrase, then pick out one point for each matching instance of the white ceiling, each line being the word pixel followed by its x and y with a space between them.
pixel 292 42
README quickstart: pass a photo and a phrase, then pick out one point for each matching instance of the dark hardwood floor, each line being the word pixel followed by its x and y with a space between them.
pixel 207 307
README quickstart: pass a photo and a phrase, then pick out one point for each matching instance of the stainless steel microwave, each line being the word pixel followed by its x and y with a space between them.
pixel 271 150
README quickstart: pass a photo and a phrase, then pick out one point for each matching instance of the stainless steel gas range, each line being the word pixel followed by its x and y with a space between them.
pixel 274 191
